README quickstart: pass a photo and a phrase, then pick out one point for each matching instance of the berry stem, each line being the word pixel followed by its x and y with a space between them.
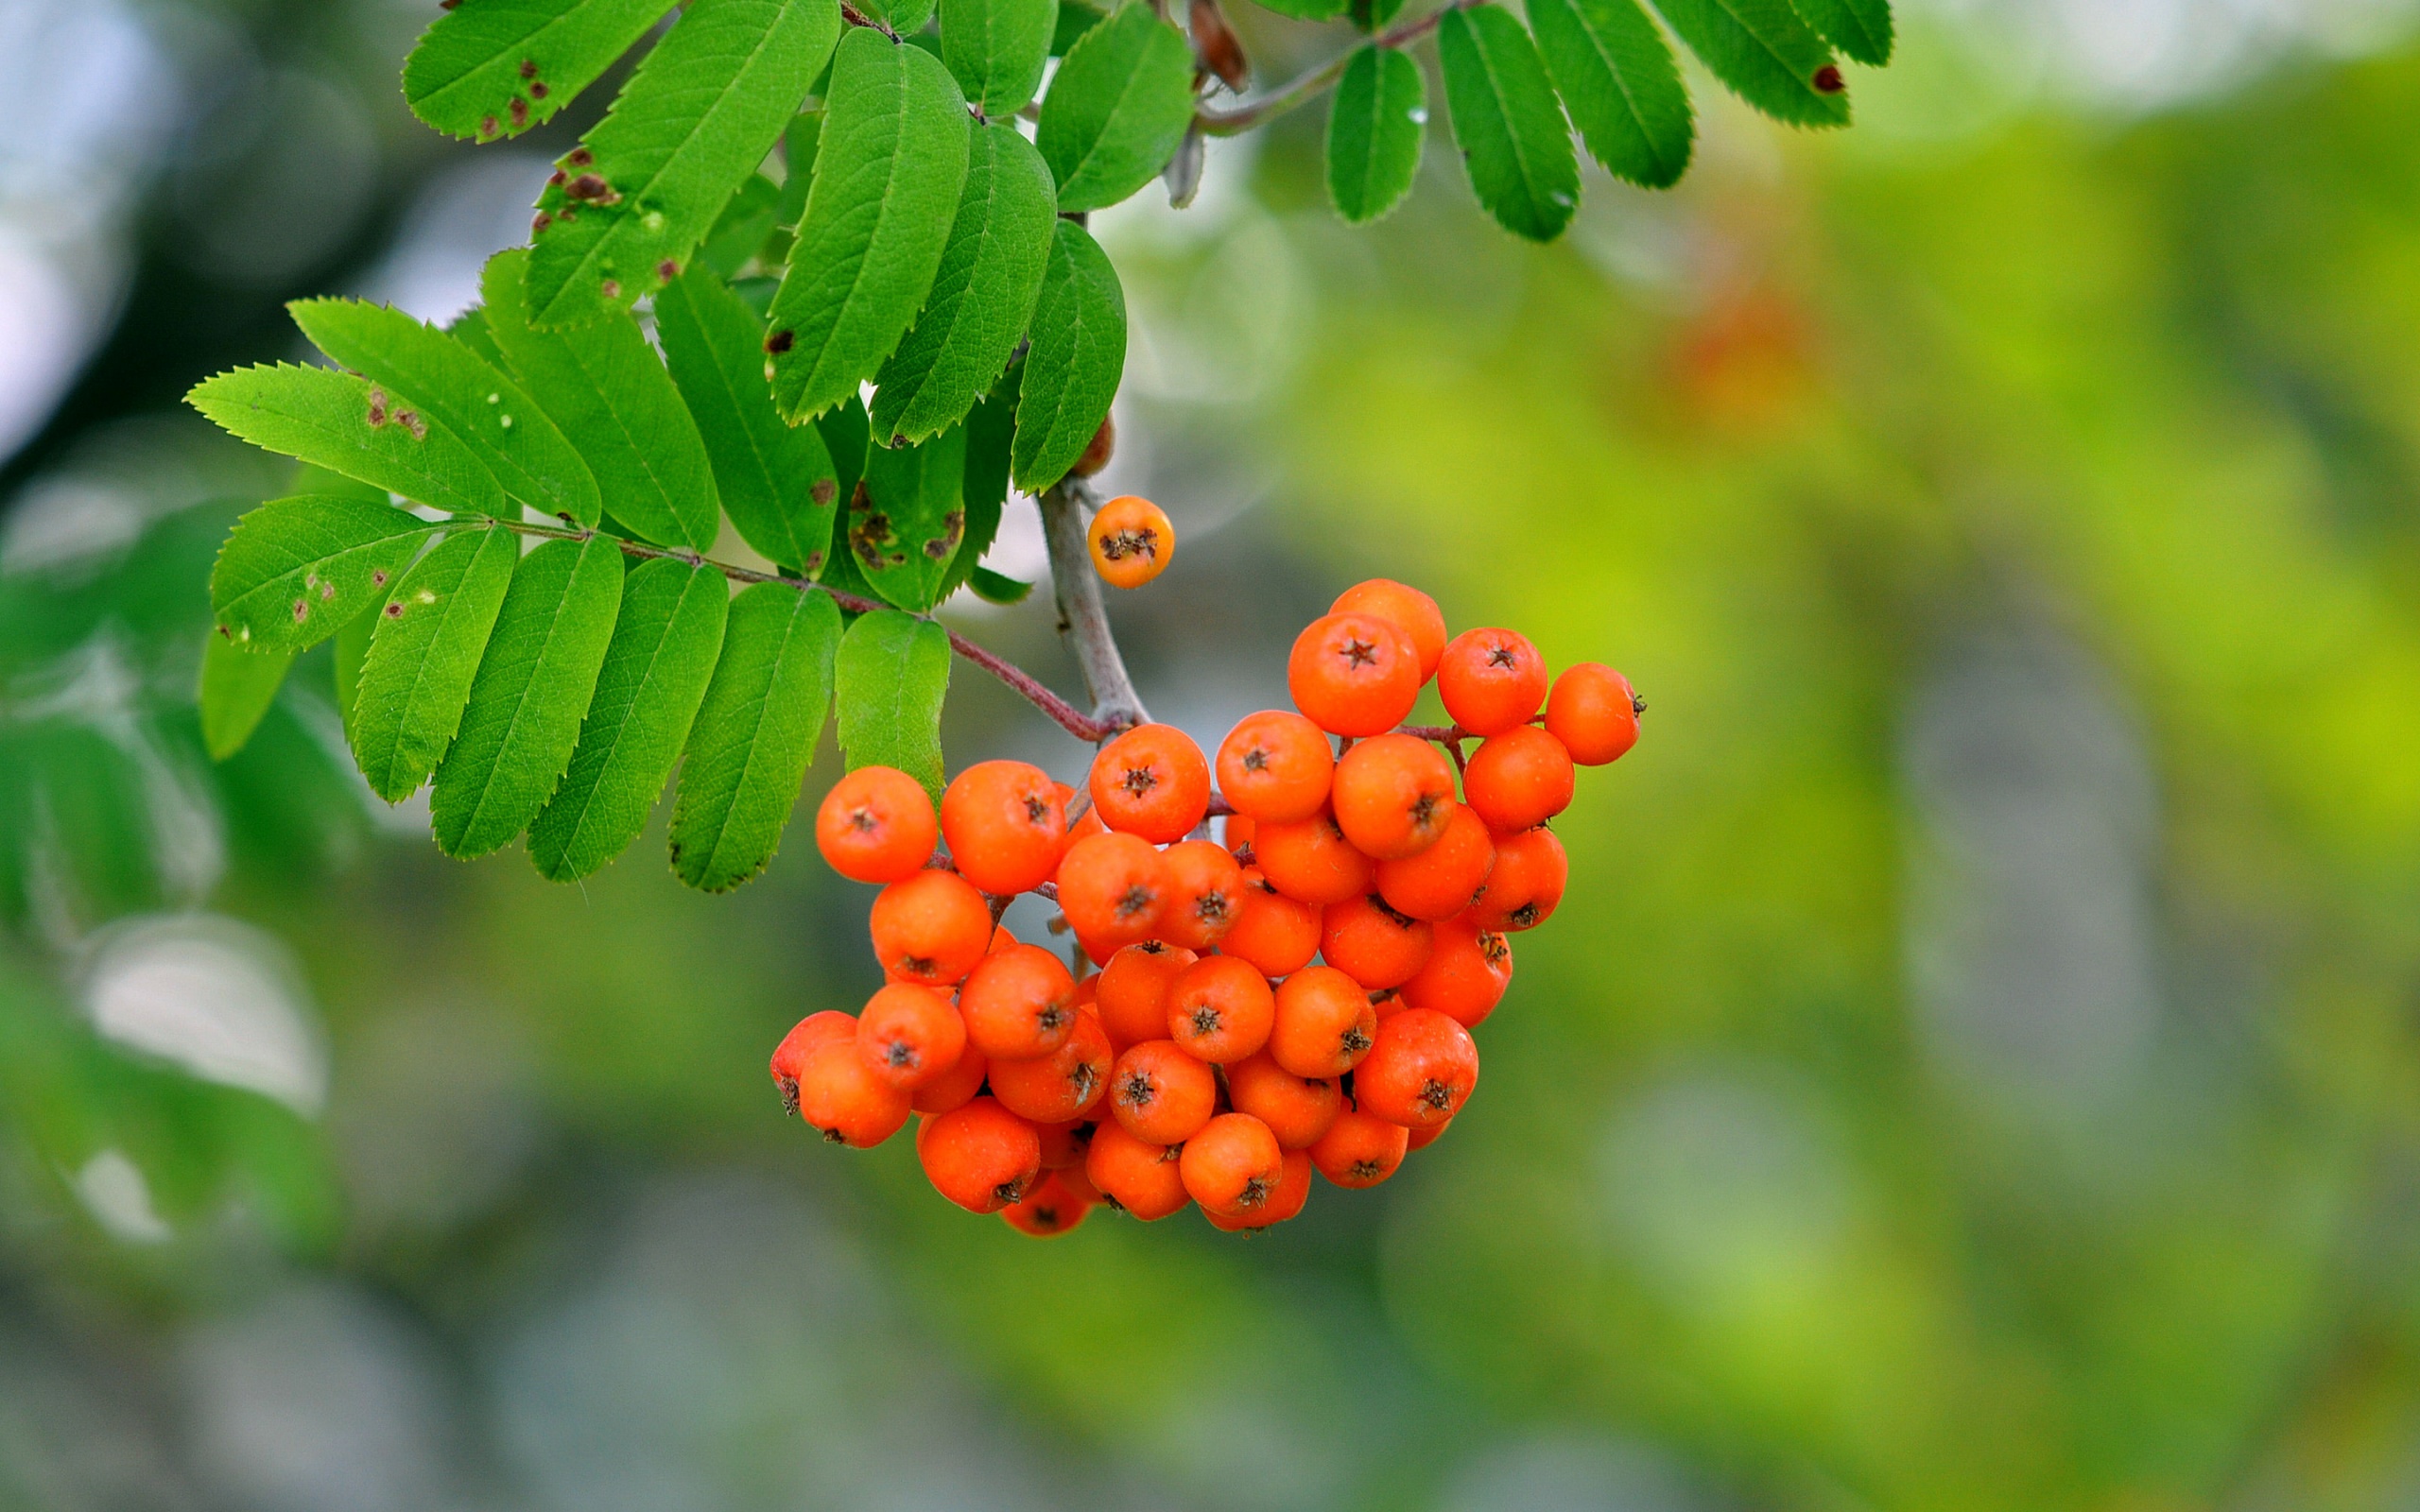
pixel 1065 714
pixel 1303 89
pixel 1083 618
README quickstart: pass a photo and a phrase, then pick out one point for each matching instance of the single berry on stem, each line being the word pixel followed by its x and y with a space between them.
pixel 1131 541
pixel 1491 681
pixel 875 825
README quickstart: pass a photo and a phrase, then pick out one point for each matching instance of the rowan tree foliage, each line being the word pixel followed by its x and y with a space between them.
pixel 925 242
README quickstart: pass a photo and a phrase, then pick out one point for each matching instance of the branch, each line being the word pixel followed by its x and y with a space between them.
pixel 1065 714
pixel 855 17
pixel 1081 617
pixel 1285 97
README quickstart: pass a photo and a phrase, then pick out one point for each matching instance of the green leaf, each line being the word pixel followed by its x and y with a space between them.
pixel 1618 81
pixel 237 687
pixel 352 650
pixel 990 432
pixel 776 480
pixel 605 390
pixel 348 424
pixel 664 650
pixel 1077 356
pixel 471 329
pixel 1507 123
pixel 449 381
pixel 888 170
pixel 1764 54
pixel 1369 15
pixel 422 656
pixel 1860 29
pixel 844 429
pixel 799 141
pixel 294 570
pixel 1374 128
pixel 1116 109
pixel 992 588
pixel 1309 10
pixel 740 230
pixel 982 298
pixel 495 68
pixel 755 733
pixel 1076 18
pixel 908 517
pixel 644 187
pixel 996 50
pixel 893 671
pixel 531 691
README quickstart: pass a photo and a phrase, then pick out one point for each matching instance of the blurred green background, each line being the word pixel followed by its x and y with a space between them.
pixel 1977 1065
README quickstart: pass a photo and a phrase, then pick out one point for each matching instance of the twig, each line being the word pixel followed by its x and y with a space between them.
pixel 1065 714
pixel 855 17
pixel 1082 616
pixel 1285 97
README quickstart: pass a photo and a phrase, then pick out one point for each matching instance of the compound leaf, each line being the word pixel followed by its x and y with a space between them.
pixel 348 424
pixel 1118 108
pixel 1765 54
pixel 1618 81
pixel 983 296
pixel 1860 29
pixel 647 183
pixel 294 570
pixel 237 687
pixel 906 519
pixel 888 165
pixel 532 689
pixel 442 377
pixel 663 649
pixel 776 480
pixel 422 656
pixel 605 390
pixel 996 50
pixel 1077 355
pixel 894 673
pixel 1506 121
pixel 1374 127
pixel 495 68
pixel 755 733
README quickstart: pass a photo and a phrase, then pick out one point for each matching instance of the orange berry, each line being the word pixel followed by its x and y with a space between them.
pixel 839 1093
pixel 1134 990
pixel 1205 894
pixel 1359 1149
pixel 954 1086
pixel 1392 795
pixel 1409 611
pixel 910 1035
pixel 1297 1110
pixel 930 929
pixel 1001 939
pixel 875 825
pixel 1232 1166
pixel 1519 779
pixel 1046 1211
pixel 1005 824
pixel 1083 824
pixel 1372 943
pixel 1132 542
pixel 1491 681
pixel 1159 1093
pixel 1293 1190
pixel 1219 1009
pixel 1386 1003
pixel 1593 712
pixel 1079 1181
pixel 1018 1005
pixel 1527 881
pixel 1061 1085
pixel 1139 1174
pixel 1274 766
pixel 1274 932
pixel 1151 782
pixel 1325 1024
pixel 1234 833
pixel 803 1036
pixel 1441 881
pixel 1419 1072
pixel 1111 887
pixel 980 1156
pixel 1423 1137
pixel 1063 1143
pixel 1353 675
pixel 1310 859
pixel 1466 973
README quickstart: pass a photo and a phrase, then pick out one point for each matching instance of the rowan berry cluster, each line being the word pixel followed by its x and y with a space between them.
pixel 1298 998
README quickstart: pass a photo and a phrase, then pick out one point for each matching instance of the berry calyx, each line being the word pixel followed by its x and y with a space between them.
pixel 1130 541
